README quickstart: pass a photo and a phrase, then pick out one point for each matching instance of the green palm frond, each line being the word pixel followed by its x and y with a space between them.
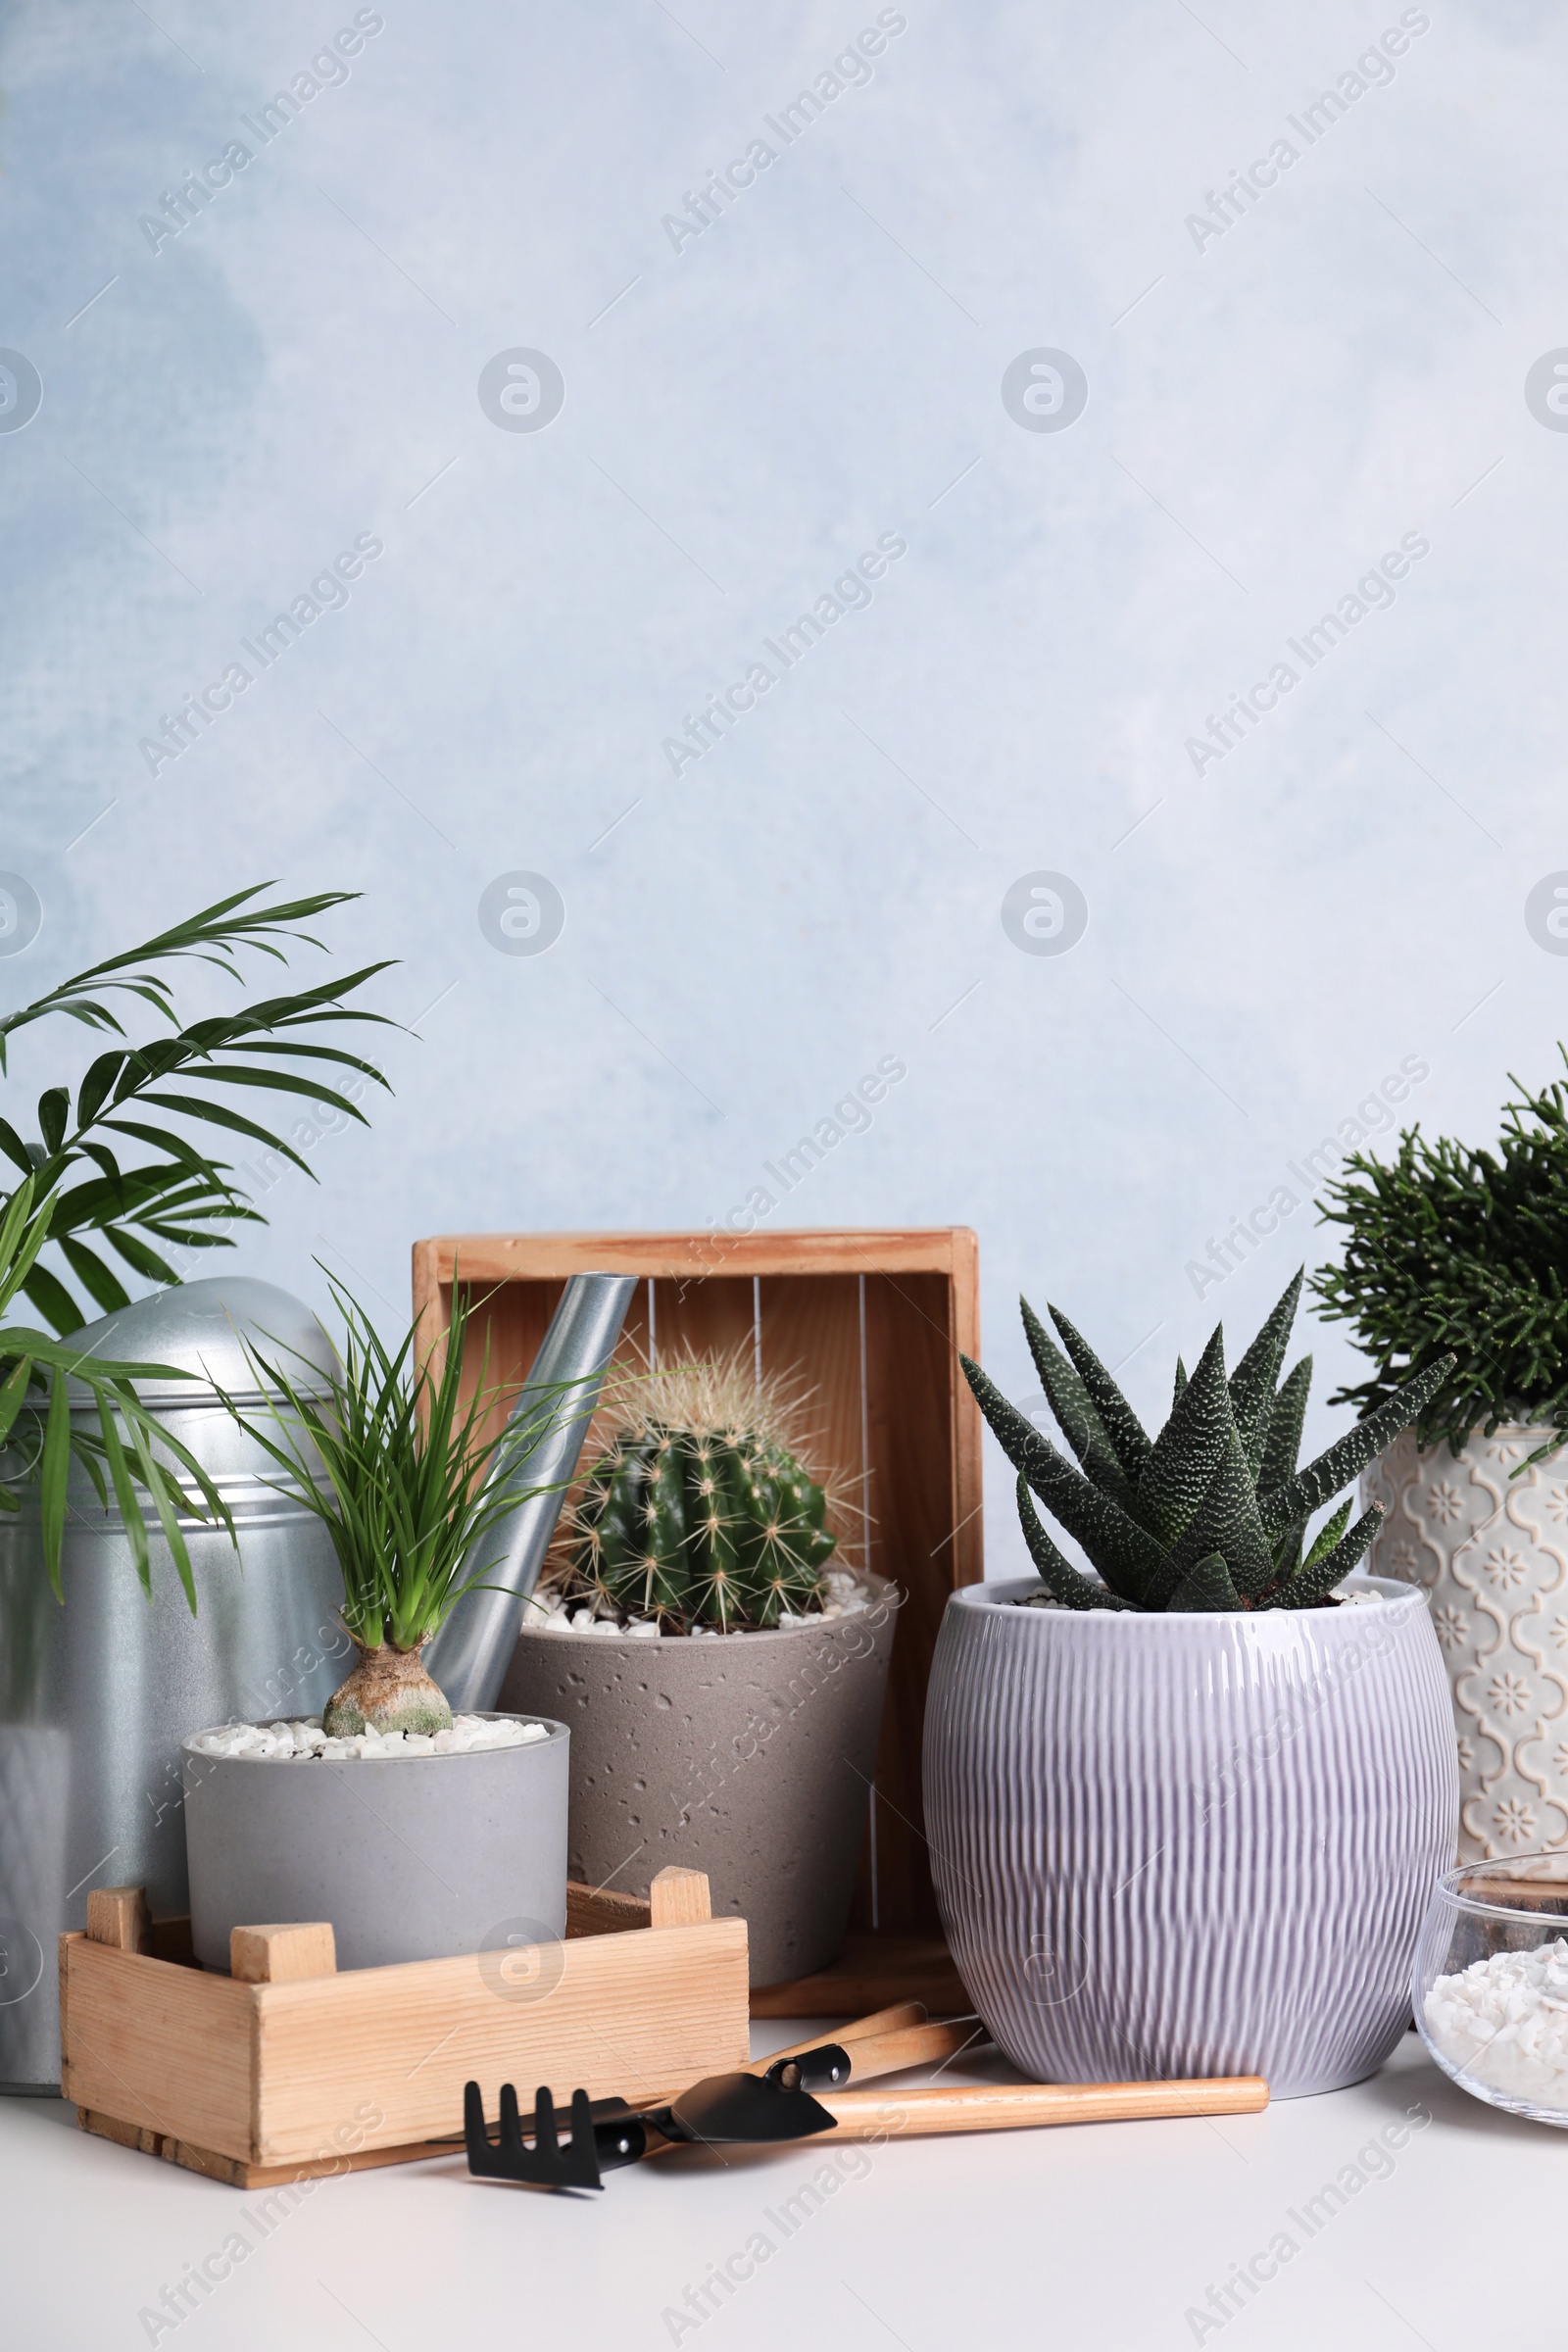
pixel 211 936
pixel 142 1189
pixel 38 1438
pixel 185 1197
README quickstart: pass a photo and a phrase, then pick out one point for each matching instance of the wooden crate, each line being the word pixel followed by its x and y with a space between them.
pixel 285 2071
pixel 874 1321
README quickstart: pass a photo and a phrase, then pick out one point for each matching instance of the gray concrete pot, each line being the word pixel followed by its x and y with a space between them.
pixel 412 1858
pixel 749 1756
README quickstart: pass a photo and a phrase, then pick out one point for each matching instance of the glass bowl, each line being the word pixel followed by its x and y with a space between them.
pixel 1489 1985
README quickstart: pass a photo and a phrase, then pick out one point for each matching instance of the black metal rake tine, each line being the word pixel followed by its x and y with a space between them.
pixel 484 2161
pixel 584 2152
pixel 545 2165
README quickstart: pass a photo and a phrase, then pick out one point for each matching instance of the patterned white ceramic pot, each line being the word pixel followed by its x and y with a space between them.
pixel 1189 1845
pixel 1491 1551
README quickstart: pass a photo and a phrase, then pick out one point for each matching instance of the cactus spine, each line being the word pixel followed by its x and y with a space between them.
pixel 699 1513
pixel 702 1528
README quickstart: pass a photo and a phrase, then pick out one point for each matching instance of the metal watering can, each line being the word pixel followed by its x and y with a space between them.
pixel 96 1696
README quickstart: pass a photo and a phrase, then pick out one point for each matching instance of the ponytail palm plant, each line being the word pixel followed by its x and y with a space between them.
pixel 407 1486
pixel 77 1178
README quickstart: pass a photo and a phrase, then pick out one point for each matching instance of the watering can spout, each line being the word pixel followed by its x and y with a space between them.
pixel 472 1653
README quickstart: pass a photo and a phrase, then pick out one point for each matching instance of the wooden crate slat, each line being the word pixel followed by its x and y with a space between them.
pixel 159 2047
pixel 912 1501
pixel 648 2014
pixel 810 1329
pixel 488 1257
pixel 694 1317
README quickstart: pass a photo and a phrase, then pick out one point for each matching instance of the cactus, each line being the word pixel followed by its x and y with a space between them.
pixel 1212 1513
pixel 699 1513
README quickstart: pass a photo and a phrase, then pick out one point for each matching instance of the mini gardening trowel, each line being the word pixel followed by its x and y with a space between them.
pixel 743 2109
pixel 779 2103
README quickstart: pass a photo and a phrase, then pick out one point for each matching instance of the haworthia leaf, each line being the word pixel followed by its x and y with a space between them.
pixel 1075 1409
pixel 1123 1551
pixel 1122 1426
pixel 1332 1470
pixel 1329 1534
pixel 1181 1382
pixel 1188 1450
pixel 1286 1549
pixel 1225 1522
pixel 1206 1586
pixel 1253 1381
pixel 1311 1585
pixel 1073 1591
pixel 1283 1445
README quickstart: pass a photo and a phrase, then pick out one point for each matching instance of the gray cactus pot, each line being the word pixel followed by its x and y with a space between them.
pixel 750 1757
pixel 1197 1844
pixel 416 1858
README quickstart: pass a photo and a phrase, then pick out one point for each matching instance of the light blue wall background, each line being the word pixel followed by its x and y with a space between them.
pixel 1267 416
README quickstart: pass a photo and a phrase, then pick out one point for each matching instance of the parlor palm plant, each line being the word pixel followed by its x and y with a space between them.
pixel 1212 1513
pixel 168 1195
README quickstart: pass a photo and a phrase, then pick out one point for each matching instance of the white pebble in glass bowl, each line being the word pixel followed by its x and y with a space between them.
pixel 1490 1982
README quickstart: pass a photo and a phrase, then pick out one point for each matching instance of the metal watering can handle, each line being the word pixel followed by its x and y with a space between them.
pixel 472 1653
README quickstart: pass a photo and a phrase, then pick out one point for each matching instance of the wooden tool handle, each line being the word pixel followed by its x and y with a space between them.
pixel 860 2029
pixel 1014 2107
pixel 909 2046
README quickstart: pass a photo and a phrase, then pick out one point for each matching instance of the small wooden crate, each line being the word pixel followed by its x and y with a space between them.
pixel 285 2070
pixel 874 1322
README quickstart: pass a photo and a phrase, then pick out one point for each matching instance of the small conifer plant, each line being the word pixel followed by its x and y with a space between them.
pixel 1212 1513
pixel 1460 1252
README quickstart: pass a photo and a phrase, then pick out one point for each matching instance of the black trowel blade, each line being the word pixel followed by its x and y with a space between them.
pixel 736 2110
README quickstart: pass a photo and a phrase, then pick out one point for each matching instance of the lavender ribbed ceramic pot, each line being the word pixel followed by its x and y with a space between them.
pixel 1177 1845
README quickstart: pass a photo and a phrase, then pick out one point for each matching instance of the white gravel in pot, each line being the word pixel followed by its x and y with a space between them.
pixel 549 1612
pixel 305 1740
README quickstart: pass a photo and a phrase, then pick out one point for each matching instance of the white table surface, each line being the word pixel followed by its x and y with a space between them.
pixel 1102 2234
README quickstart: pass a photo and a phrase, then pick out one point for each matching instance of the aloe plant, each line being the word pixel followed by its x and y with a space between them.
pixel 1213 1513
